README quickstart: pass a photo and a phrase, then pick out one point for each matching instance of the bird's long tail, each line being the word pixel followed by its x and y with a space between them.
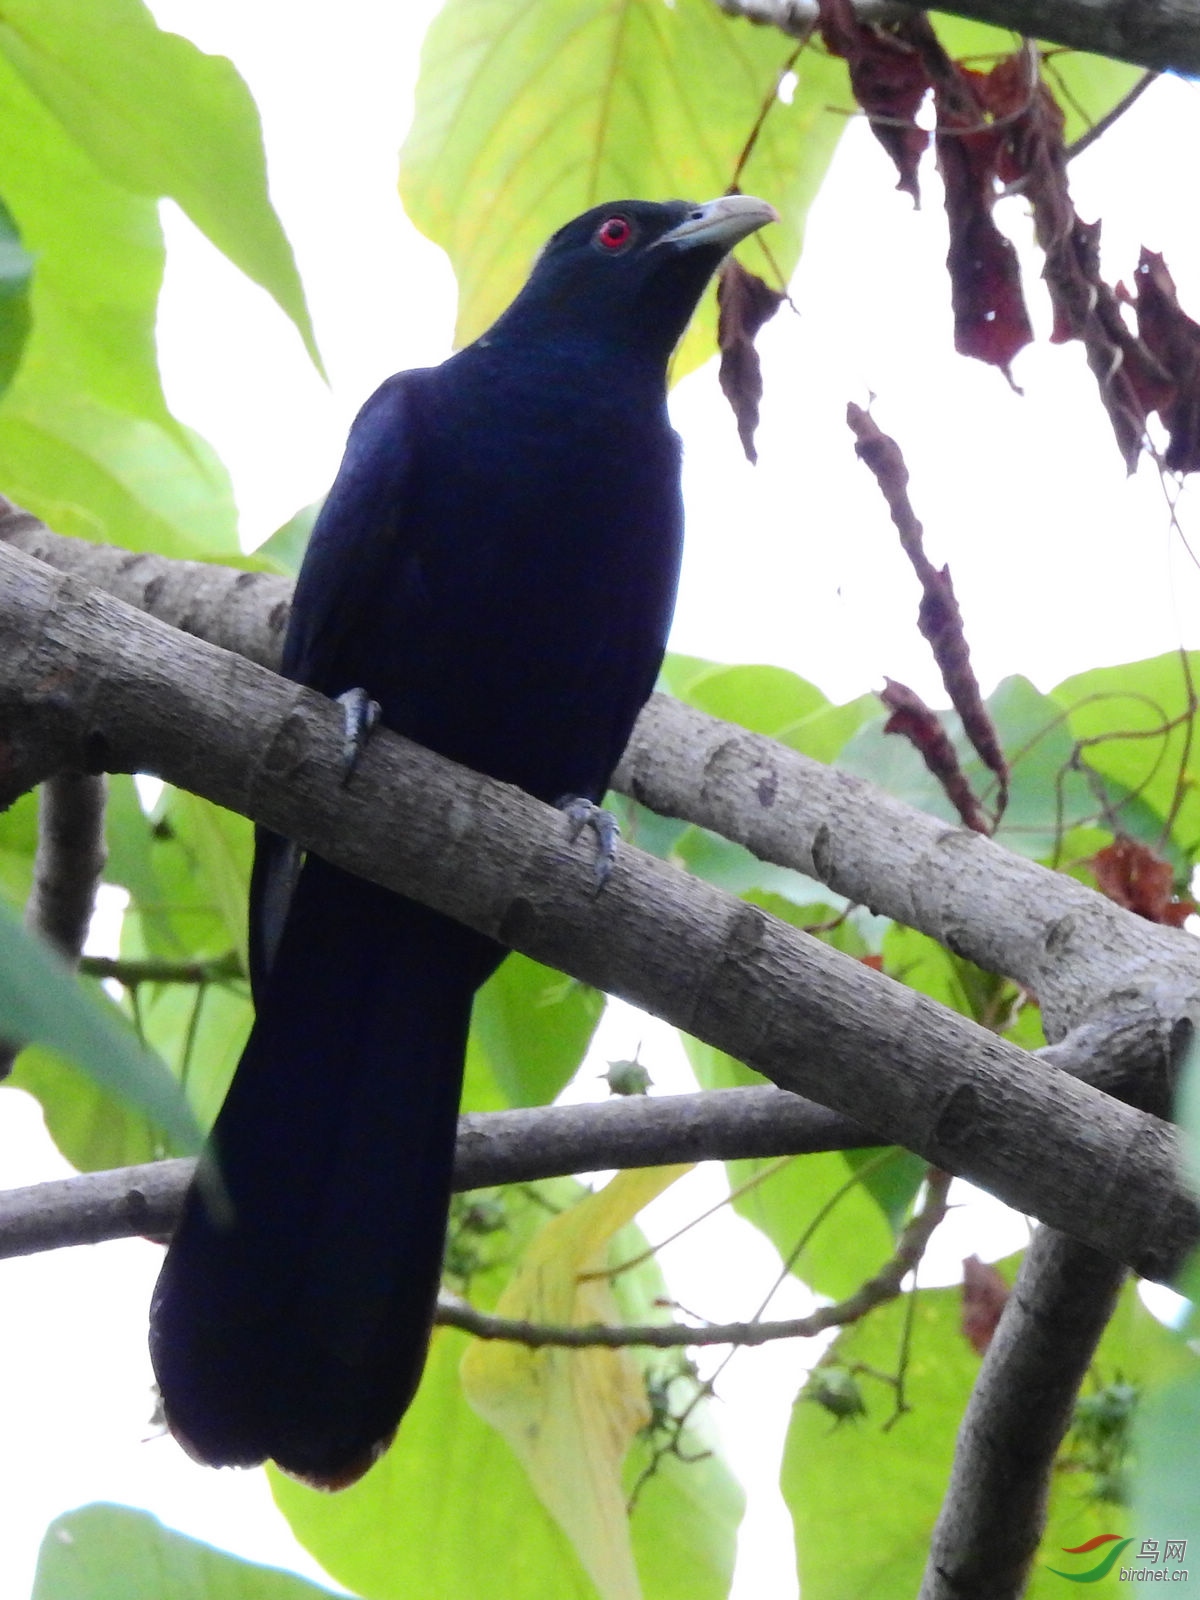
pixel 292 1315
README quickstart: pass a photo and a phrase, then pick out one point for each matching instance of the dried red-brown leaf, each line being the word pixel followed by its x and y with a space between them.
pixel 1134 876
pixel 744 304
pixel 941 622
pixel 984 1296
pixel 1129 376
pixel 889 79
pixel 1174 339
pixel 920 725
pixel 991 321
pixel 939 617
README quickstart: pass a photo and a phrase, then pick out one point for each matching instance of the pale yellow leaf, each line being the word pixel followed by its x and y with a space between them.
pixel 571 1415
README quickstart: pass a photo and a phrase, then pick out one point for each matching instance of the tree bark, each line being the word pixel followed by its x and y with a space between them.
pixel 87 682
pixel 1163 35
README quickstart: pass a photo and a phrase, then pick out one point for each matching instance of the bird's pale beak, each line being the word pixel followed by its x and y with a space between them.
pixel 721 222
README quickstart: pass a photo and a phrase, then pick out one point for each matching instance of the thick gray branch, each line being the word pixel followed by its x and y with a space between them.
pixel 494 1148
pixel 1073 949
pixel 1163 34
pixel 994 1513
pixel 85 679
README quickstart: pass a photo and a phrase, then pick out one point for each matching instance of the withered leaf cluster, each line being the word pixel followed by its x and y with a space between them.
pixel 1001 132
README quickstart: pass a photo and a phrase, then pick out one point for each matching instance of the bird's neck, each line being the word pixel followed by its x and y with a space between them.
pixel 567 362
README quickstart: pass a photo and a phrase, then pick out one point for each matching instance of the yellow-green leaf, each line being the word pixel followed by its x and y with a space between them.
pixel 86 439
pixel 571 1415
pixel 160 117
pixel 528 114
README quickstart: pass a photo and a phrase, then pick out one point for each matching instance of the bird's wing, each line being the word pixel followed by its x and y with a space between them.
pixel 354 539
pixel 356 535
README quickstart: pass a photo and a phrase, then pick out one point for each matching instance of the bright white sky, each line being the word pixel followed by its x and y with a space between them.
pixel 1059 561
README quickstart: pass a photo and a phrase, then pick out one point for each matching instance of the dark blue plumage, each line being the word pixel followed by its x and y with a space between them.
pixel 496 566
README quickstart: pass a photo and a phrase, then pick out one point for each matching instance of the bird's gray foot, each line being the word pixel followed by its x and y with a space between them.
pixel 361 715
pixel 582 813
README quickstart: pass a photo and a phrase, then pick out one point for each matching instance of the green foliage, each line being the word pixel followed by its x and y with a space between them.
pixel 102 1551
pixel 159 117
pixel 40 1001
pixel 531 1028
pixel 100 114
pixel 865 1493
pixel 1134 724
pixel 532 113
pixel 185 869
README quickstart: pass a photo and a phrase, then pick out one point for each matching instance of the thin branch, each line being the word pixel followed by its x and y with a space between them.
pixel 497 1148
pixel 131 972
pixel 884 1286
pixel 941 624
pixel 1113 115
pixel 69 861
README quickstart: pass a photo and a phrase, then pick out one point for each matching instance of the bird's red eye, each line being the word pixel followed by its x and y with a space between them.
pixel 614 234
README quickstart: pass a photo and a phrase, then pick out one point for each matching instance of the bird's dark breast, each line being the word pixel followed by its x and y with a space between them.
pixel 531 593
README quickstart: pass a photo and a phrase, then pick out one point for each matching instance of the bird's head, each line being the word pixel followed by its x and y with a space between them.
pixel 627 275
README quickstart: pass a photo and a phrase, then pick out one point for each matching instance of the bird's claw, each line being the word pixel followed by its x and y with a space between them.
pixel 582 813
pixel 361 715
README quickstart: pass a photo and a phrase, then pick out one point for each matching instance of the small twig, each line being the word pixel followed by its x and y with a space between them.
pixel 884 1286
pixel 131 973
pixel 648 1254
pixel 1114 114
pixel 764 111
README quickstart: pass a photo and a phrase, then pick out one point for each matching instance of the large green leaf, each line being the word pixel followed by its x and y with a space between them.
pixel 159 117
pixel 530 1027
pixel 1138 728
pixel 768 700
pixel 764 699
pixel 864 1497
pixel 101 1552
pixel 86 440
pixel 185 870
pixel 527 114
pixel 41 1001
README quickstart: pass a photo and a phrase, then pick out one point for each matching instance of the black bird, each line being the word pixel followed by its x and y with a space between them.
pixel 495 566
